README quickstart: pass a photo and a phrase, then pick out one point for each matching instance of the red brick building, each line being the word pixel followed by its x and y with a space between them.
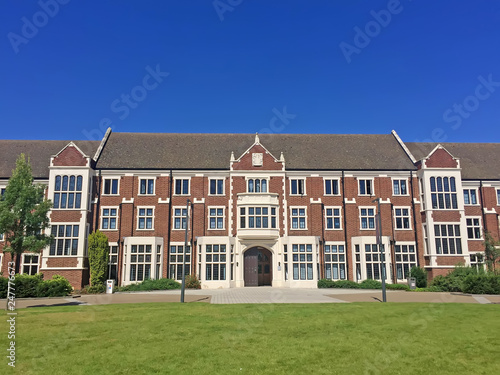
pixel 280 210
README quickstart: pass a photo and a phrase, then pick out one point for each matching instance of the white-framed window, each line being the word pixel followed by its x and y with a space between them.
pixel 443 193
pixel 333 218
pixel 399 187
pixel 367 217
pixel 2 192
pixel 402 217
pixel 371 260
pixel 109 218
pixel 297 186
pixel 113 263
pixel 498 197
pixel 215 257
pixel 470 196
pixel 477 261
pixel 448 239
pixel 110 186
pixel 258 217
pixel 182 186
pixel 158 262
pixel 298 217
pixel 180 218
pixel 68 192
pixel 365 186
pixel 216 186
pixel 140 262
pixel 1 238
pixel 176 261
pixel 147 186
pixel 216 217
pixel 145 218
pixel 257 185
pixel 335 262
pixel 331 187
pixel 30 264
pixel 406 258
pixel 474 228
pixel 302 261
pixel 65 240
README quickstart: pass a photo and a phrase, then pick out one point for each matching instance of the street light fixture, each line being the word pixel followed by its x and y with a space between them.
pixel 381 247
pixel 184 253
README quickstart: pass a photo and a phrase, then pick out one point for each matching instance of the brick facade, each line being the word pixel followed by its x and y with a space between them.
pixel 238 217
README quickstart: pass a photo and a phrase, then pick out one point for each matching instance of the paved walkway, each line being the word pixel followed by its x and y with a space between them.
pixel 259 295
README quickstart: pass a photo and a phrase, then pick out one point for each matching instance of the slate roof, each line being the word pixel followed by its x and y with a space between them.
pixel 213 151
pixel 479 161
pixel 39 153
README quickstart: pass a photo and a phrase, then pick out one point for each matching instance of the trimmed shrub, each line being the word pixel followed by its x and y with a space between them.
pixel 94 289
pixel 3 287
pixel 428 289
pixel 160 284
pixel 420 275
pixel 192 282
pixel 481 284
pixel 447 283
pixel 347 284
pixel 453 282
pixel 58 286
pixel 26 285
pixel 370 284
pixel 397 287
pixel 325 283
pixel 366 284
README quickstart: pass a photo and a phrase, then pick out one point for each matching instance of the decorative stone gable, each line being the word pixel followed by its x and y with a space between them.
pixel 70 156
pixel 257 157
pixel 441 158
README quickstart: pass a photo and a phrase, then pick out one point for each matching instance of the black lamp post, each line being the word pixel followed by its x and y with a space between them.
pixel 381 247
pixel 184 254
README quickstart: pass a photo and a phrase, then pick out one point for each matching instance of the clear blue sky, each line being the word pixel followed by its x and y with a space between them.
pixel 429 72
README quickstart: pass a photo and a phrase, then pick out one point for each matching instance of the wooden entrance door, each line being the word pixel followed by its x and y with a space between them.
pixel 258 267
pixel 251 264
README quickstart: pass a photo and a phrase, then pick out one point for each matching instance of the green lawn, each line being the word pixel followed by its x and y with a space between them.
pixel 199 338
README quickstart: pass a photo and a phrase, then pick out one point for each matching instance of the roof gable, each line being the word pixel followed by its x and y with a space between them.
pixel 441 158
pixel 257 157
pixel 70 155
pixel 479 161
pixel 39 152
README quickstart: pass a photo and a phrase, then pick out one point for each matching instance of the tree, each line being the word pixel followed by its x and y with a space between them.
pixel 491 251
pixel 24 213
pixel 98 258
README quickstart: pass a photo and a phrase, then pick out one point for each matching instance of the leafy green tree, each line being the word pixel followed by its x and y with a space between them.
pixel 98 258
pixel 491 251
pixel 24 213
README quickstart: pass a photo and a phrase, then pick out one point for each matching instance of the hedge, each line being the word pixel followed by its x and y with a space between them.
pixel 481 284
pixel 160 284
pixel 366 284
pixel 26 286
